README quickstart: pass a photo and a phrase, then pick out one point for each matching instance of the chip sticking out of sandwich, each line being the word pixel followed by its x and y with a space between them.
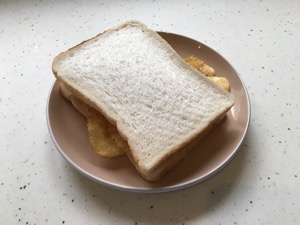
pixel 140 97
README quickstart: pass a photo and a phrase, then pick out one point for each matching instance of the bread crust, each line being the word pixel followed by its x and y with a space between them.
pixel 166 162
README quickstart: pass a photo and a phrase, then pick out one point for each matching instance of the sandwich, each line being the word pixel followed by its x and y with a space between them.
pixel 129 82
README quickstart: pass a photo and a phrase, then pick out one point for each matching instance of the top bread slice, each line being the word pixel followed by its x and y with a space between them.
pixel 161 105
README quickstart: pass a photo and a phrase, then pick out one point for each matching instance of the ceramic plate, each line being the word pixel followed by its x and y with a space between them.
pixel 69 133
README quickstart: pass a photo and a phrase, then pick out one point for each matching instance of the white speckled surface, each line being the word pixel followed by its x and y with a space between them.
pixel 259 186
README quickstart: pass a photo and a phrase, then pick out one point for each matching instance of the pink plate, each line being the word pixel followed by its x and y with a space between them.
pixel 69 133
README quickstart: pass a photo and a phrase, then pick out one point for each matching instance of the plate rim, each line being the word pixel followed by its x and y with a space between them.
pixel 164 189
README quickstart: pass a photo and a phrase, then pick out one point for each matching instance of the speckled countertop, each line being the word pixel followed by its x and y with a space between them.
pixel 260 185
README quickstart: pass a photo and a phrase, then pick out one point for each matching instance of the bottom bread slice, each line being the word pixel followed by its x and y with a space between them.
pixel 167 163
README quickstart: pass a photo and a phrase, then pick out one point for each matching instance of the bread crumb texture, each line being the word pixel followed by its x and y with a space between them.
pixel 156 101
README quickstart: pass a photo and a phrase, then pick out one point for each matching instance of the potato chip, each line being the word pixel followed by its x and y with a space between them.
pixel 208 71
pixel 200 65
pixel 105 138
pixel 222 82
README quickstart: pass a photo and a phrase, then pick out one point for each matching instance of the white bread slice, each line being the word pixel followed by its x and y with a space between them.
pixel 161 106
